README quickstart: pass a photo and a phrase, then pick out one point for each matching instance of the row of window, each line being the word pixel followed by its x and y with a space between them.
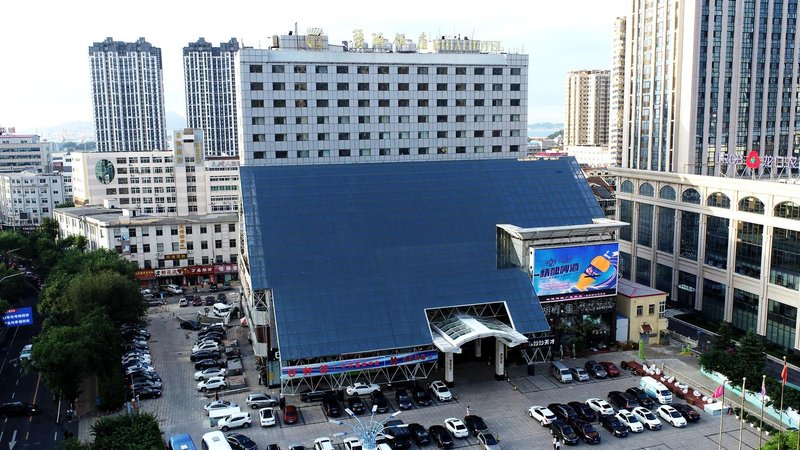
pixel 145 160
pixel 173 230
pixel 323 86
pixel 384 70
pixel 161 264
pixel 146 248
pixel 402 151
pixel 344 120
pixel 365 103
pixel 382 135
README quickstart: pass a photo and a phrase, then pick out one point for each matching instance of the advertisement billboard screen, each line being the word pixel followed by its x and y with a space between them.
pixel 571 273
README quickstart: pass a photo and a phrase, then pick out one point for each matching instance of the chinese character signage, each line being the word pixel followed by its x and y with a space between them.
pixel 226 268
pixel 198 270
pixel 18 317
pixel 355 365
pixel 176 256
pixel 145 274
pixel 169 272
pixel 544 341
pixel 571 273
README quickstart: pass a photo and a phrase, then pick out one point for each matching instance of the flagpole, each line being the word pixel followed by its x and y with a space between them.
pixel 780 420
pixel 722 413
pixel 741 413
pixel 761 420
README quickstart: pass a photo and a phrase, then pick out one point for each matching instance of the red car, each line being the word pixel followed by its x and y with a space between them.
pixel 290 415
pixel 610 368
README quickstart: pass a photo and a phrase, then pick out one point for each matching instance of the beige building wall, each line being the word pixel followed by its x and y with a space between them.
pixel 586 108
pixel 616 100
pixel 644 308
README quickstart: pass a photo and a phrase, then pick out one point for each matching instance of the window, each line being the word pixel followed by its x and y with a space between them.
pixel 322 103
pixel 383 103
pixel 441 86
pixel 232 226
pixel 422 103
pixel 321 86
pixel 342 86
pixel 422 86
pixel 343 103
pixel 344 136
pixel 422 119
pixel 278 86
pixel 278 69
pixel 497 70
pixel 479 102
pixel 497 87
pixel 258 121
pixel 651 309
pixel 256 103
pixel 301 86
pixel 383 70
pixel 279 103
pixel 403 103
pixel 441 118
pixel 514 87
pixel 480 71
pixel 259 138
pixel 280 137
pixel 204 245
pixel 256 68
pixel 321 69
pixel 514 102
pixel 441 102
pixel 516 71
pixel 281 154
pixel 461 70
pixel 362 86
pixel 342 69
pixel 232 243
pixel 299 69
pixel 402 70
pixel 383 86
pixel 344 152
pixel 422 70
pixel 363 70
pixel 363 119
pixel 363 103
pixel 441 71
pixel 422 151
pixel 639 310
pixel 218 243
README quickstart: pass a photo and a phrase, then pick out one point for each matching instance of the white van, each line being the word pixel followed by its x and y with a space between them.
pixel 173 289
pixel 560 372
pixel 215 440
pixel 656 390
pixel 221 309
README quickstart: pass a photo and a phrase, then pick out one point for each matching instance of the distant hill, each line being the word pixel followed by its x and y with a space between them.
pixel 78 131
pixel 175 121
pixel 541 129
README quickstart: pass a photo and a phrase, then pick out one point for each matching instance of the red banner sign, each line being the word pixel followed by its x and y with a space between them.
pixel 145 274
pixel 226 268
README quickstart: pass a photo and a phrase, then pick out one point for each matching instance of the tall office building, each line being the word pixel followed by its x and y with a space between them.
pixel 304 101
pixel 210 83
pixel 127 96
pixel 710 161
pixel 616 90
pixel 586 108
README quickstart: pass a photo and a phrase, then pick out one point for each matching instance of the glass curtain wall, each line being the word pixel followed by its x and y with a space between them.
pixel 785 264
pixel 644 230
pixel 626 215
pixel 745 310
pixel 643 271
pixel 749 238
pixel 713 300
pixel 666 230
pixel 690 233
pixel 781 320
pixel 716 253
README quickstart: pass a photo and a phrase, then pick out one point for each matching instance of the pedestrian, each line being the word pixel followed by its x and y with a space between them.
pixel 468 410
pixel 556 443
pixel 259 379
pixel 216 396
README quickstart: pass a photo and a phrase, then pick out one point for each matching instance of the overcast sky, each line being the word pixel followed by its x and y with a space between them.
pixel 45 80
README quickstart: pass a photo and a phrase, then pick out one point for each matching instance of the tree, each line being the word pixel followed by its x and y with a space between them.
pixel 750 359
pixel 62 356
pixel 127 432
pixel 719 357
pixel 788 440
pixel 555 134
pixel 73 444
pixel 66 205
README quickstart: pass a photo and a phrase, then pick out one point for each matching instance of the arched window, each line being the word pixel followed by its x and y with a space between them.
pixel 627 186
pixel 690 196
pixel 667 193
pixel 719 200
pixel 647 189
pixel 751 204
pixel 788 210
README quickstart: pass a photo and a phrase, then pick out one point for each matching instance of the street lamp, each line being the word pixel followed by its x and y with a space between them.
pixel 367 432
pixel 10 276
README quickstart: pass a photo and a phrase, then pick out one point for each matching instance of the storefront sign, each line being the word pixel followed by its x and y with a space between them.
pixel 226 268
pixel 198 270
pixel 588 306
pixel 354 365
pixel 543 341
pixel 754 160
pixel 18 317
pixel 571 273
pixel 145 274
pixel 176 256
pixel 172 272
pixel 182 237
pixel 218 164
pixel 466 46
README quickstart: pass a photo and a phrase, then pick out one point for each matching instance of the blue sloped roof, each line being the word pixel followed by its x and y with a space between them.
pixel 355 253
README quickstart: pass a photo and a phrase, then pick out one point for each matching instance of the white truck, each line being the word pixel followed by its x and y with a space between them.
pixel 656 390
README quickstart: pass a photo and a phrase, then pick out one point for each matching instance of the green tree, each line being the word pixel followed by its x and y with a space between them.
pixel 73 444
pixel 118 296
pixel 65 205
pixel 62 356
pixel 127 432
pixel 788 440
pixel 555 134
pixel 719 357
pixel 750 359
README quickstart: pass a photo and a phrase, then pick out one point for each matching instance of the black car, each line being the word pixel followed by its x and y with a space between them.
pixel 403 399
pixel 209 300
pixel 208 363
pixel 213 288
pixel 583 411
pixel 421 396
pixel 197 301
pixel 222 298
pixel 595 369
pixel 564 412
pixel 275 447
pixel 641 397
pixel 138 385
pixel 137 347
pixel 440 435
pixel 331 406
pixel 204 354
pixel 379 401
pixel 148 393
pixel 313 396
pixel 399 433
pixel 622 400
pixel 212 326
pixel 475 424
pixel 687 411
pixel 612 424
pixel 563 432
pixel 211 334
pixel 153 302
pixel 585 431
pixel 144 377
pixel 9 409
pixel 239 441
pixel 419 434
pixel 190 325
pixel 357 405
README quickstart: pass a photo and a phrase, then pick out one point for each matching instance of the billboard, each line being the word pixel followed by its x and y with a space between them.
pixel 571 273
pixel 18 317
pixel 354 365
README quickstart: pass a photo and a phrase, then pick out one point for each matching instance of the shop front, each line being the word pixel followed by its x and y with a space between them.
pixel 224 273
pixel 147 278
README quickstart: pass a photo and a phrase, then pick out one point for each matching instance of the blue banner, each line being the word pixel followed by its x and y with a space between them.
pixel 354 365
pixel 572 273
pixel 18 317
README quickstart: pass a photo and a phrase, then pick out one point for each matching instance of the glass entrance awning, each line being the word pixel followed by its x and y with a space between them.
pixel 450 334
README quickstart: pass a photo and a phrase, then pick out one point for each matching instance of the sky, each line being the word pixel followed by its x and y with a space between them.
pixel 45 78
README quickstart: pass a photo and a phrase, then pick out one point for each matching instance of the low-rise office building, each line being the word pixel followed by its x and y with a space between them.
pixel 22 151
pixel 27 197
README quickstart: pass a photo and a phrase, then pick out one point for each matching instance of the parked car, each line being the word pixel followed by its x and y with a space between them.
pixel 17 408
pixel 357 405
pixel 258 400
pixel 208 363
pixel 612 424
pixel 204 354
pixel 672 416
pixel 148 392
pixel 190 325
pixel 610 368
pixel 420 396
pixel 564 412
pixel 595 369
pixel 312 396
pixel 563 432
pixel 687 411
pixel 456 427
pixel 239 441
pixel 235 420
pixel 600 406
pixel 331 406
pixel 360 388
pixel 138 385
pixel 475 424
pixel 583 411
pixel 219 404
pixel 267 417
pixel 197 301
pixel 139 368
pixel 208 345
pixel 487 441
pixel 290 415
pixel 209 301
pixel 222 298
pixel 379 402
pixel 211 384
pixel 647 418
pixel 440 435
pixel 441 391
pixel 183 303
pixel 208 373
pixel 622 400
pixel 419 434
pixel 542 415
pixel 398 433
pixel 630 421
pixel 352 443
pixel 579 374
pixel 585 431
pixel 641 397
pixel 403 399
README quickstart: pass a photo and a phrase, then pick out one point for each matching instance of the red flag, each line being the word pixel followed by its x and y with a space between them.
pixel 718 392
pixel 784 373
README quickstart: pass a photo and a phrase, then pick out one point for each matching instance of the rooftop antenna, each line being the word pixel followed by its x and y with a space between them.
pixel 295 28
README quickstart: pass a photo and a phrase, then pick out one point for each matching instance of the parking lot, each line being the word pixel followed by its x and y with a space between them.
pixel 503 405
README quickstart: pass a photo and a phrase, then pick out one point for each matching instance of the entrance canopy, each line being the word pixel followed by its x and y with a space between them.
pixel 449 335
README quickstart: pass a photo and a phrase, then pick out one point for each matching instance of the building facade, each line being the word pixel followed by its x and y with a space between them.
pixel 27 197
pixel 127 96
pixel 210 83
pixel 616 89
pixel 168 250
pixel 586 108
pixel 305 101
pixel 22 151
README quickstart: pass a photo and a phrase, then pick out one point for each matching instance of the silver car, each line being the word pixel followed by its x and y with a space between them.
pixel 579 373
pixel 259 400
pixel 487 441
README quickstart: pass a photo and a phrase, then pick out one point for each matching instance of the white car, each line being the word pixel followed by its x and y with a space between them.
pixel 25 354
pixel 323 443
pixel 209 373
pixel 208 345
pixel 630 421
pixel 219 404
pixel 441 392
pixel 211 384
pixel 129 358
pixel 139 368
pixel 456 427
pixel 267 417
pixel 236 420
pixel 542 415
pixel 261 400
pixel 360 388
pixel 671 416
pixel 647 417
pixel 600 406
pixel 351 443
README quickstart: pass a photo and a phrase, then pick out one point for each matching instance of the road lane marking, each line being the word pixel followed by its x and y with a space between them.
pixel 55 435
pixel 12 395
pixel 36 392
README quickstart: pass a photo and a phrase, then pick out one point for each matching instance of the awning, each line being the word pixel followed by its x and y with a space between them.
pixel 449 335
pixel 243 321
pixel 646 328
